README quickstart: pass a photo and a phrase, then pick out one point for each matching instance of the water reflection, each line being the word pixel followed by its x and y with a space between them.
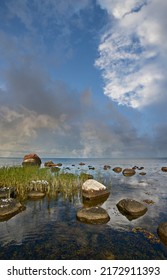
pixel 48 228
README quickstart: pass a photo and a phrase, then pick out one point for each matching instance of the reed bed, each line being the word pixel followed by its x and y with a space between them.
pixel 25 179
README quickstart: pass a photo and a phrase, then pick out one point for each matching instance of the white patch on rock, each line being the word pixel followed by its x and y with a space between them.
pixel 91 184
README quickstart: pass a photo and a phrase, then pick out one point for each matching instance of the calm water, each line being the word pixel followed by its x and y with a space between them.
pixel 48 228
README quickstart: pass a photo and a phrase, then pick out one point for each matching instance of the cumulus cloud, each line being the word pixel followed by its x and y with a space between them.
pixel 133 50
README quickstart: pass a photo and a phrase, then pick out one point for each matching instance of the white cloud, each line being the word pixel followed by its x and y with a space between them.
pixel 133 50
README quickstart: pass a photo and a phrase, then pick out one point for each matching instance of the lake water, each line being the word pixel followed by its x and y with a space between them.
pixel 48 228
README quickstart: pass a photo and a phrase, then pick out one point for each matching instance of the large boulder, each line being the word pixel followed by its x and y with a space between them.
pixel 130 208
pixel 93 190
pixel 162 232
pixel 128 172
pixel 31 160
pixel 9 208
pixel 93 215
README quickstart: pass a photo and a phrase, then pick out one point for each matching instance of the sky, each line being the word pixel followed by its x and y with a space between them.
pixel 83 78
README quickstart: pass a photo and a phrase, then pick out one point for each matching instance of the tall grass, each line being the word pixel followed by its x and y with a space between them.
pixel 25 179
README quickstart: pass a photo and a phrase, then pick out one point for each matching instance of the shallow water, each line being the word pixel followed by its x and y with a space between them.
pixel 48 228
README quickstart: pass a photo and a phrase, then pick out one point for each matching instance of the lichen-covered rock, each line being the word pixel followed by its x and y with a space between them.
pixel 130 208
pixel 128 172
pixel 94 185
pixel 162 232
pixel 9 208
pixel 93 215
pixel 31 160
pixel 93 190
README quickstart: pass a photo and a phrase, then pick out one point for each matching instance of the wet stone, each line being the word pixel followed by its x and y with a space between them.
pixel 93 215
pixel 36 195
pixel 162 232
pixel 130 208
pixel 128 172
pixel 117 169
pixel 9 208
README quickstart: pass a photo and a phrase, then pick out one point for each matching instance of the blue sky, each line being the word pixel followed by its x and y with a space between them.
pixel 83 78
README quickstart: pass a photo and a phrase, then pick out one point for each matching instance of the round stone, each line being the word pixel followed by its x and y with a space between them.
pixel 128 172
pixel 131 208
pixel 164 168
pixel 162 232
pixel 117 169
pixel 93 215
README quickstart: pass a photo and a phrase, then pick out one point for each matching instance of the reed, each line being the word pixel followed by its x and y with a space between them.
pixel 25 179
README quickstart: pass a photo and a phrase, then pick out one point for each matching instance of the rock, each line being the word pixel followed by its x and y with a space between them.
pixel 135 167
pixel 93 185
pixel 142 173
pixel 81 163
pixel 36 195
pixel 162 232
pixel 148 201
pixel 7 192
pixel 85 176
pixel 93 190
pixel 31 159
pixel 140 168
pixel 164 168
pixel 130 208
pixel 55 169
pixel 106 167
pixel 117 169
pixel 91 168
pixel 93 215
pixel 59 164
pixel 128 172
pixel 49 163
pixel 9 208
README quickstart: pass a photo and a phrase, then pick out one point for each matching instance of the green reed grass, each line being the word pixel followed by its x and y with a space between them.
pixel 25 179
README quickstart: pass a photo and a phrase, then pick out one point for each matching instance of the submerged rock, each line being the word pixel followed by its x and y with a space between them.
pixel 162 232
pixel 31 160
pixel 130 208
pixel 128 172
pixel 93 215
pixel 9 208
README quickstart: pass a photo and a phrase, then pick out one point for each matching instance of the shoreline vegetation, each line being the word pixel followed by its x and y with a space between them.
pixel 21 180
